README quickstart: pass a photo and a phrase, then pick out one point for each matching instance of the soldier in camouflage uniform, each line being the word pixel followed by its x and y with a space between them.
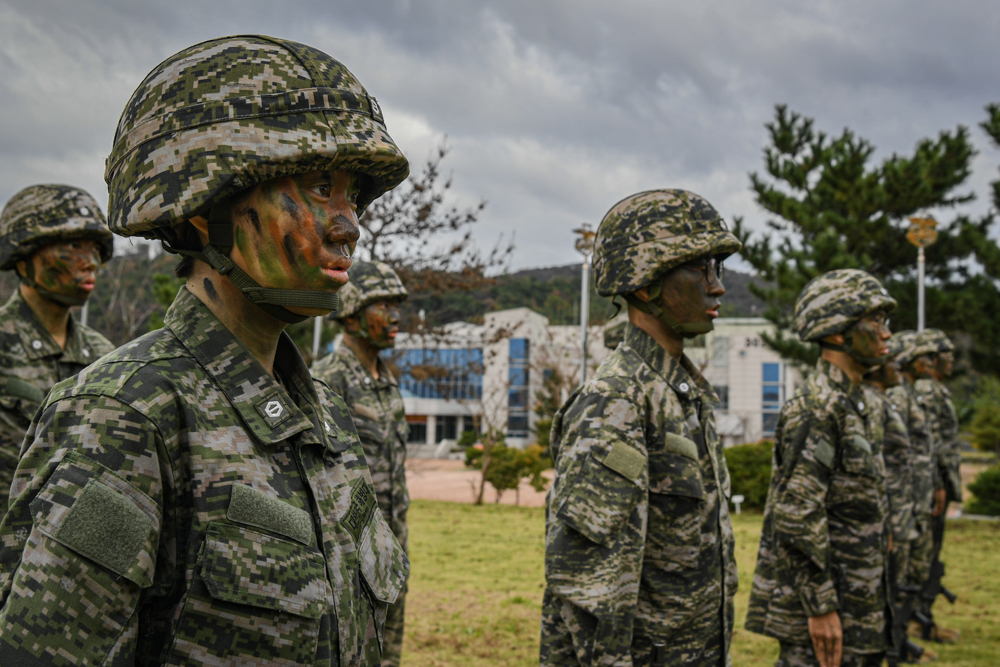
pixel 915 358
pixel 943 422
pixel 639 563
pixel 369 313
pixel 820 583
pixel 54 237
pixel 898 454
pixel 196 498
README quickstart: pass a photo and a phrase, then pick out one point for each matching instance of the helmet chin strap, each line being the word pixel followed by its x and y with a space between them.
pixel 685 330
pixel 61 299
pixel 274 302
pixel 848 347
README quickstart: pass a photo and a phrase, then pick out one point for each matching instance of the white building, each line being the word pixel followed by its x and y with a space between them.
pixel 469 377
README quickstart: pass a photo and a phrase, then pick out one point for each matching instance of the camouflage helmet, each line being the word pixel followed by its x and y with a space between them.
pixel 228 113
pixel 43 214
pixel 645 235
pixel 913 344
pixel 940 338
pixel 370 282
pixel 834 301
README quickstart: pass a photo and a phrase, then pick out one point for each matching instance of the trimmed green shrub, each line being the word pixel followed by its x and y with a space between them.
pixel 986 492
pixel 750 472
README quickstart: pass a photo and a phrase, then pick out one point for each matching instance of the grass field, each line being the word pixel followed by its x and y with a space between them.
pixel 476 588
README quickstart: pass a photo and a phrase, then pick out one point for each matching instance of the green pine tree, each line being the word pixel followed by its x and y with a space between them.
pixel 834 208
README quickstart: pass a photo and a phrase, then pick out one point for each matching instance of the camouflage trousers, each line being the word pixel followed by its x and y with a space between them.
pixel 901 563
pixel 796 655
pixel 921 550
pixel 568 641
pixel 392 646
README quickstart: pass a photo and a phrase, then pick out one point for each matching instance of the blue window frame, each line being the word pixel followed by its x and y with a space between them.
pixel 772 396
pixel 518 382
pixel 455 374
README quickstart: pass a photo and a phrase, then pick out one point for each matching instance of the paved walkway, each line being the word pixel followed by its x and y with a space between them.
pixel 441 479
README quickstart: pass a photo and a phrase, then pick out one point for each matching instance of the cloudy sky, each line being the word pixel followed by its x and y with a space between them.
pixel 554 110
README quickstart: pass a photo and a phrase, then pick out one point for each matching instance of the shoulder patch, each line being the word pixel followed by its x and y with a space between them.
pixel 678 444
pixel 255 508
pixel 627 461
pixel 108 528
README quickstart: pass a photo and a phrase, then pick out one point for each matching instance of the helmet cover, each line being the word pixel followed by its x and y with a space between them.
pixel 40 215
pixel 223 115
pixel 834 301
pixel 913 344
pixel 944 343
pixel 645 235
pixel 370 282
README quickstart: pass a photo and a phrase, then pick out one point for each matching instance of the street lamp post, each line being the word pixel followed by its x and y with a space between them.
pixel 921 234
pixel 584 245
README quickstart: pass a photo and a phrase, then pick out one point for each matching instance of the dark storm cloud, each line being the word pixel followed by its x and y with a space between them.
pixel 553 110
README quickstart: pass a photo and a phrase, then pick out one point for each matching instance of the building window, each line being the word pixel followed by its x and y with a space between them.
pixel 455 374
pixel 722 391
pixel 772 396
pixel 447 428
pixel 418 433
pixel 517 391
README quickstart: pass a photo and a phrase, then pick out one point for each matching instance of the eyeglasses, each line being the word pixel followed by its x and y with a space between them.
pixel 710 267
pixel 879 319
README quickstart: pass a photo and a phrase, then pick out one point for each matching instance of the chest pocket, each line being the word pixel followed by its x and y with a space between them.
pixel 262 594
pixel 676 504
pixel 857 457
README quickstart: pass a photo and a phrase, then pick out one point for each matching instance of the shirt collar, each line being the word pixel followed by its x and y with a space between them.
pixel 839 381
pixel 38 343
pixel 267 409
pixel 682 375
pixel 360 371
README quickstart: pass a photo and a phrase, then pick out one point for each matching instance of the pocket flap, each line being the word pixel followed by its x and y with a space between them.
pixel 251 568
pixel 256 508
pixel 598 500
pixel 384 564
pixel 678 444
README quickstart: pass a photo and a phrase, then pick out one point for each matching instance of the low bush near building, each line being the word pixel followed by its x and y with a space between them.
pixel 509 465
pixel 986 492
pixel 750 471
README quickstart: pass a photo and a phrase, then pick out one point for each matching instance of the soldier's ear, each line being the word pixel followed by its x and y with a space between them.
pixel 200 225
pixel 836 339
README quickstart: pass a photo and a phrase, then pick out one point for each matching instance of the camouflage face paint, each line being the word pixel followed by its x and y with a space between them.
pixel 688 297
pixel 382 321
pixel 869 336
pixel 299 231
pixel 210 290
pixel 67 268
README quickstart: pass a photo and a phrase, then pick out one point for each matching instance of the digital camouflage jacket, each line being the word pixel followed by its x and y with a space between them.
pixel 825 539
pixel 31 362
pixel 943 421
pixel 178 505
pixel 377 409
pixel 639 544
pixel 912 407
pixel 898 455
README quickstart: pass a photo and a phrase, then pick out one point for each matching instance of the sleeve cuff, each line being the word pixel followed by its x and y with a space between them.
pixel 819 599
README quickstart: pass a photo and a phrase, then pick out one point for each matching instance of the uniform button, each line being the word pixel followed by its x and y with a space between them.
pixel 684 387
pixel 86 353
pixel 37 344
pixel 368 380
pixel 861 406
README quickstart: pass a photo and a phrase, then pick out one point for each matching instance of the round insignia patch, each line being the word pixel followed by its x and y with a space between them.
pixel 84 210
